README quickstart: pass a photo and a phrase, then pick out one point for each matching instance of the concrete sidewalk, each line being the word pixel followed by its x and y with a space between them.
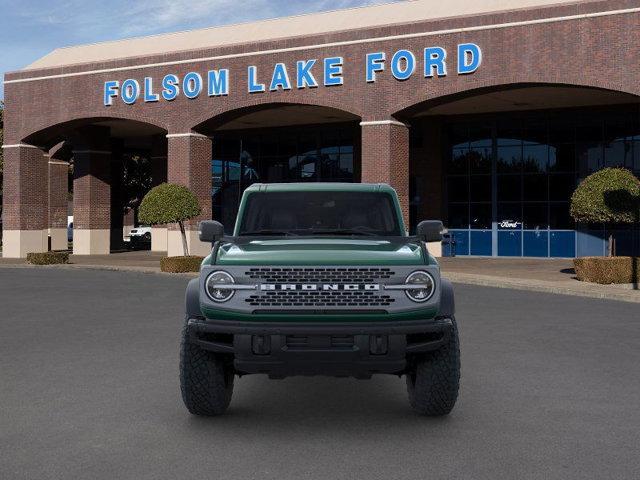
pixel 540 275
pixel 138 261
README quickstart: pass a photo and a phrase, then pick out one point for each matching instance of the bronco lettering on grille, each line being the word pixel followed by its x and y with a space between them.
pixel 349 287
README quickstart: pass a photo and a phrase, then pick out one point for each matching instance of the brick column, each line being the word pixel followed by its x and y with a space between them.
pixel 58 191
pixel 189 164
pixel 158 175
pixel 426 171
pixel 385 158
pixel 92 192
pixel 116 239
pixel 25 210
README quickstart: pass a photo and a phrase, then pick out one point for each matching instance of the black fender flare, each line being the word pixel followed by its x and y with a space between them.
pixel 192 299
pixel 447 299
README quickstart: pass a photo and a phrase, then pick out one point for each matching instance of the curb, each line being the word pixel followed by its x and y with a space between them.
pixel 577 289
pixel 111 268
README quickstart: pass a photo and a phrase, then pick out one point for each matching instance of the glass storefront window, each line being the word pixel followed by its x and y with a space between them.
pixel 636 157
pixel 302 154
pixel 618 154
pixel 535 188
pixel 535 216
pixel 562 157
pixel 535 158
pixel 561 186
pixel 458 189
pixel 508 132
pixel 481 188
pixel 509 215
pixel 480 217
pixel 559 217
pixel 535 133
pixel 590 157
pixel 479 136
pixel 480 159
pixel 458 215
pixel 509 187
pixel 534 161
pixel 510 158
pixel 459 163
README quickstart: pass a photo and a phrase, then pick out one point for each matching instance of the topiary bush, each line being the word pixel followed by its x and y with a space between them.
pixel 170 203
pixel 181 264
pixel 48 258
pixel 611 195
pixel 607 270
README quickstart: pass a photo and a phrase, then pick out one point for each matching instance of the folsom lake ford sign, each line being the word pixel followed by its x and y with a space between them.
pixel 309 73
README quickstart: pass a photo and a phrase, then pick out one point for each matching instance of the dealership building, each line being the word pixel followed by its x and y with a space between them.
pixel 485 114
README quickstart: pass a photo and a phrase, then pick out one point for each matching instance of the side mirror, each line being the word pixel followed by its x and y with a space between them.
pixel 430 230
pixel 210 231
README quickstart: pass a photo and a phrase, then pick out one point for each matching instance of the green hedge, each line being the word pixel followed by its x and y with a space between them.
pixel 607 270
pixel 181 264
pixel 48 258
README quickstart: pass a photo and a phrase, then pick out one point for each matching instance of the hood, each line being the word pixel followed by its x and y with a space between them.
pixel 322 251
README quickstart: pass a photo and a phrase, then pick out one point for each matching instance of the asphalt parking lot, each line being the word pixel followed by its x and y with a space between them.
pixel 89 389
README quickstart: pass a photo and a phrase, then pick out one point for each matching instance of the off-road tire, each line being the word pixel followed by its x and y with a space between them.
pixel 206 382
pixel 433 382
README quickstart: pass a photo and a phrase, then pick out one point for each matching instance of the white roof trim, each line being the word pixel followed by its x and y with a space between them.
pixel 278 28
pixel 333 44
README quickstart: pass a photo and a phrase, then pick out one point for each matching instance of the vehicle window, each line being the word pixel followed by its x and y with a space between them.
pixel 320 213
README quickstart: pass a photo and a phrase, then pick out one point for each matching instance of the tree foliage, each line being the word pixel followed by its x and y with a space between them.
pixel 611 195
pixel 169 203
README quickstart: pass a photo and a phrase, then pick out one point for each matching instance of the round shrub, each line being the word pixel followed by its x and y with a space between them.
pixel 168 203
pixel 48 258
pixel 611 195
pixel 181 264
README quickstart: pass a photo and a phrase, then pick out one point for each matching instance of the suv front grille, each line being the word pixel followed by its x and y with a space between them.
pixel 319 274
pixel 319 299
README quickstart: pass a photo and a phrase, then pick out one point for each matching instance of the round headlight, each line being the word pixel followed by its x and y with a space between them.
pixel 215 284
pixel 424 286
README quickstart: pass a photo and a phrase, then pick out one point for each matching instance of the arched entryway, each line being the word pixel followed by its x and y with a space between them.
pixel 278 143
pixel 499 165
pixel 89 171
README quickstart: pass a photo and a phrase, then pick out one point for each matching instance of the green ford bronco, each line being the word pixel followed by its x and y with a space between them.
pixel 319 279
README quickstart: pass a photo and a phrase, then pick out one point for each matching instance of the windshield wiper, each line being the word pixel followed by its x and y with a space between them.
pixel 268 232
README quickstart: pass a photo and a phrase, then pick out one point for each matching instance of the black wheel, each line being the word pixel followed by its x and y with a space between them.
pixel 206 382
pixel 147 236
pixel 433 382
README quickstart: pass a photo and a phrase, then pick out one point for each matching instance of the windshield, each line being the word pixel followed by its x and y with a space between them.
pixel 320 213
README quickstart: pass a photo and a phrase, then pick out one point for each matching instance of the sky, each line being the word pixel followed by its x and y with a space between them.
pixel 29 29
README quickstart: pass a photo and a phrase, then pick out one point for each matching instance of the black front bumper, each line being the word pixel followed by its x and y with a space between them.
pixel 336 349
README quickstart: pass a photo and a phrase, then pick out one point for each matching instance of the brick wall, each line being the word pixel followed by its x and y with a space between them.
pixel 25 189
pixel 58 192
pixel 600 51
pixel 385 158
pixel 189 164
